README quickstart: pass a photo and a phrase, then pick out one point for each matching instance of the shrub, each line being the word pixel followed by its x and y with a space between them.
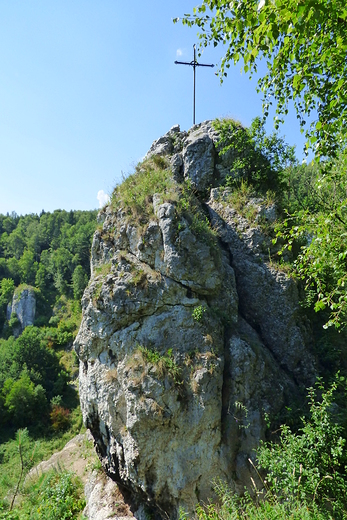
pixel 60 417
pixel 25 402
pixel 305 473
pixel 166 364
pixel 310 465
pixel 233 507
pixel 59 497
pixel 258 159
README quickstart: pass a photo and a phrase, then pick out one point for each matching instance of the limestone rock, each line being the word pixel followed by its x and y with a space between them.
pixel 24 307
pixel 138 411
pixel 186 342
pixel 165 145
pixel 199 157
pixel 104 499
pixel 193 155
pixel 274 311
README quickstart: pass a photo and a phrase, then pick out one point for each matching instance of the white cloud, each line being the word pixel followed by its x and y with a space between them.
pixel 179 52
pixel 103 198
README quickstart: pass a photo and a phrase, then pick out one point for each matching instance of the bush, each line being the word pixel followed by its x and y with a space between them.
pixel 30 374
pixel 56 496
pixel 24 402
pixel 60 417
pixel 310 465
pixel 60 498
pixel 305 473
pixel 258 159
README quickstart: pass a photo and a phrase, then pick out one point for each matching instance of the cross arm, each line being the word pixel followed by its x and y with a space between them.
pixel 196 64
pixel 184 63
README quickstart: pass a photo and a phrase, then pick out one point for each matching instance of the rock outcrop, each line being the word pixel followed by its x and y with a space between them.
pixel 23 307
pixel 189 336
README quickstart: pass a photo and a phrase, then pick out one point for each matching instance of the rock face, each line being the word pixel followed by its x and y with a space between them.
pixel 187 339
pixel 24 307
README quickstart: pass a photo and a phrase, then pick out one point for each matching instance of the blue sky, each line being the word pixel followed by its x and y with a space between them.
pixel 87 86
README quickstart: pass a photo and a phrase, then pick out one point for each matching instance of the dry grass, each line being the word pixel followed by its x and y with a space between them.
pixel 111 375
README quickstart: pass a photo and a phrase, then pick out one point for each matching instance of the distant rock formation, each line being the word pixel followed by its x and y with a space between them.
pixel 23 306
pixel 186 344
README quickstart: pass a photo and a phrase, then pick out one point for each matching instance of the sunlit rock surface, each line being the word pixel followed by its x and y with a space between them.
pixel 23 306
pixel 185 345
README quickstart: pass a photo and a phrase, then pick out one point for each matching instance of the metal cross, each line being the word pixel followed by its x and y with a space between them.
pixel 193 64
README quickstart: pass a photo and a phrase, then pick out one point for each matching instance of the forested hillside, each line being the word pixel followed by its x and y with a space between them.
pixel 49 253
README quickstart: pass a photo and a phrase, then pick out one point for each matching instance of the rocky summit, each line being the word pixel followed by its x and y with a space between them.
pixel 190 335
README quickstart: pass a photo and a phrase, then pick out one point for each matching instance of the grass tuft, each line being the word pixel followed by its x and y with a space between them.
pixel 135 193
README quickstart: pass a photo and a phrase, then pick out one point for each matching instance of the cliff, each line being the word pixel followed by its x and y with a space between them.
pixel 23 308
pixel 190 337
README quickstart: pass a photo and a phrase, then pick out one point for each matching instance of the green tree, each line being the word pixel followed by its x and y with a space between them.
pixel 3 268
pixel 41 362
pixel 13 269
pixel 24 401
pixel 258 158
pixel 79 282
pixel 6 290
pixel 321 230
pixel 6 293
pixel 62 267
pixel 28 267
pixel 304 45
pixel 15 244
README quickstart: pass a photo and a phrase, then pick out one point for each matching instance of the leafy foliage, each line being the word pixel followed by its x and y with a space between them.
pixel 198 312
pixel 166 363
pixel 294 38
pixel 60 417
pixel 234 507
pixel 30 375
pixel 305 473
pixel 317 228
pixel 310 465
pixel 60 496
pixel 50 252
pixel 54 496
pixel 24 402
pixel 311 201
pixel 258 158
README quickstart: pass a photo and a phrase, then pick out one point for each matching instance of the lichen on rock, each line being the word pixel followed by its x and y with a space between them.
pixel 188 336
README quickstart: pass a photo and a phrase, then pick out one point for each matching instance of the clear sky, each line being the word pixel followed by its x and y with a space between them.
pixel 87 86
